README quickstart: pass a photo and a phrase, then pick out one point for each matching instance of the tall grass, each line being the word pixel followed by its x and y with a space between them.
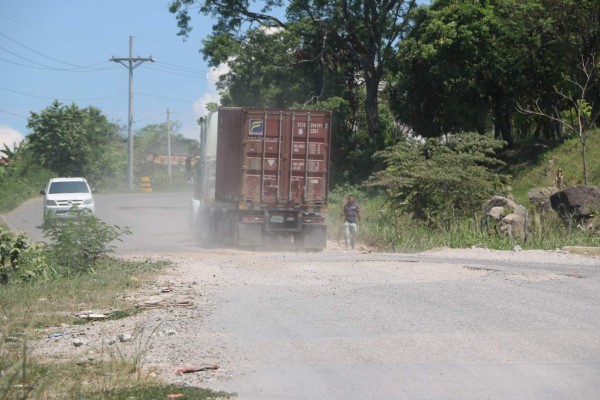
pixel 384 228
pixel 387 228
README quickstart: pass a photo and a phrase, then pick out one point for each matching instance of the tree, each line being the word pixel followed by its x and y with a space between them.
pixel 264 69
pixel 576 97
pixel 151 143
pixel 461 67
pixel 75 142
pixel 355 36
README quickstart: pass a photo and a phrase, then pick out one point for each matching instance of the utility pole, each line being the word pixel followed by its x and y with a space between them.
pixel 169 143
pixel 203 123
pixel 130 63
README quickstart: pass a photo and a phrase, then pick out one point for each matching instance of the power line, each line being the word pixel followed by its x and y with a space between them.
pixel 166 98
pixel 41 54
pixel 11 113
pixel 46 68
pixel 178 73
pixel 57 98
pixel 54 34
pixel 182 68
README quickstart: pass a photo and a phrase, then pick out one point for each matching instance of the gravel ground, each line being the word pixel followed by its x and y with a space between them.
pixel 443 324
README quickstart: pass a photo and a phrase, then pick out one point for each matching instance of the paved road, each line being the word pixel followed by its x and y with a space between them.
pixel 385 326
pixel 158 221
pixel 470 324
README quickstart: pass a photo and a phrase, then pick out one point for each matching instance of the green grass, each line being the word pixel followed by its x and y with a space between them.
pixel 29 311
pixel 103 379
pixel 540 169
pixel 385 230
pixel 159 392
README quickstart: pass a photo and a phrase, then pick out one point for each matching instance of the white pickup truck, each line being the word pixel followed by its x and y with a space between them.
pixel 64 195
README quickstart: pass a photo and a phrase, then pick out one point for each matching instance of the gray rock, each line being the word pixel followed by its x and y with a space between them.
pixel 513 224
pixel 578 203
pixel 540 197
pixel 124 337
pixel 499 201
pixel 496 213
pixel 512 216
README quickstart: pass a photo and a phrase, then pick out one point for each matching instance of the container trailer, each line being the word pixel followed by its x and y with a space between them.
pixel 263 174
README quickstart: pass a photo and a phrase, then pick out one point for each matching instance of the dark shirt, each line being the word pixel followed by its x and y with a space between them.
pixel 351 213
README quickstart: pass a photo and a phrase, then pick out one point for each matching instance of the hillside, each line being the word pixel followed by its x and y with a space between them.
pixel 535 164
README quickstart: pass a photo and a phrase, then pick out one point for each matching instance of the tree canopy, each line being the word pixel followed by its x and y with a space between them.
pixel 75 142
pixel 305 54
pixel 392 67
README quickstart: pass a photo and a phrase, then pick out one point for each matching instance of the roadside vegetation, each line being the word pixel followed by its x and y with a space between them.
pixel 399 216
pixel 71 141
pixel 44 288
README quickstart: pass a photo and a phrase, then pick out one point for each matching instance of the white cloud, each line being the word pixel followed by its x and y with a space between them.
pixel 211 95
pixel 9 137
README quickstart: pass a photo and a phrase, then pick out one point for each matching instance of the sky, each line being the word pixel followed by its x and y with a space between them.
pixel 61 49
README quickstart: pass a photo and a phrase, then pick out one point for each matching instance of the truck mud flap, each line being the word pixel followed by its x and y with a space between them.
pixel 315 237
pixel 249 234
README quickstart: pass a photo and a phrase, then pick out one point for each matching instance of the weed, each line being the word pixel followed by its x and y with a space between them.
pixel 132 350
pixel 388 229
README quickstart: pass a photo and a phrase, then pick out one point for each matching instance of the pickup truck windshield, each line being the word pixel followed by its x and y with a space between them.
pixel 68 187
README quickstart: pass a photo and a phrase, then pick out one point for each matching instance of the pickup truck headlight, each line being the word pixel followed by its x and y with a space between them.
pixel 88 202
pixel 51 203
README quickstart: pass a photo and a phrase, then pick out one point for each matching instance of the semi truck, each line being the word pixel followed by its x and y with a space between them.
pixel 263 176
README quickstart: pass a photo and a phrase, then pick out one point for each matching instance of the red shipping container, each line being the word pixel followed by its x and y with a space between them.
pixel 271 158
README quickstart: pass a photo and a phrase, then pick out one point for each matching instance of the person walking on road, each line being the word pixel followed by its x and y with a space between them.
pixel 351 214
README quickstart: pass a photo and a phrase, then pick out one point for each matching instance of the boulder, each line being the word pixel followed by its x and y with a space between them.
pixel 540 197
pixel 593 224
pixel 499 201
pixel 496 213
pixel 512 217
pixel 578 202
pixel 513 225
pixel 490 208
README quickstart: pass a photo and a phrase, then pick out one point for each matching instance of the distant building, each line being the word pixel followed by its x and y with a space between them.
pixel 181 155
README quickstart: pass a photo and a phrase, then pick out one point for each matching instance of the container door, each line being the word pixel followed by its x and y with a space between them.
pixel 285 157
pixel 309 141
pixel 262 156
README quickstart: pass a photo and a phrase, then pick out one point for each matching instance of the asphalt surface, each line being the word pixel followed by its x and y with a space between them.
pixel 385 326
pixel 158 222
pixel 446 324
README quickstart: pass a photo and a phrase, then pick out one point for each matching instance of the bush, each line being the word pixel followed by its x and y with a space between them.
pixel 21 260
pixel 440 178
pixel 15 189
pixel 78 243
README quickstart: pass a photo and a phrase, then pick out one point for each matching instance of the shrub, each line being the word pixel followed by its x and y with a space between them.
pixel 21 260
pixel 78 243
pixel 440 178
